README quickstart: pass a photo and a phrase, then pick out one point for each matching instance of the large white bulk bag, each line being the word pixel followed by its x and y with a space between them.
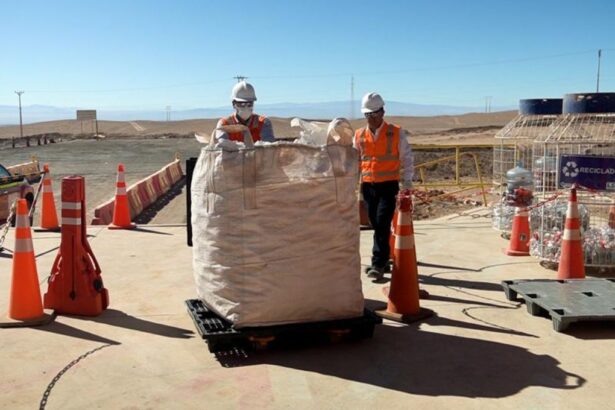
pixel 276 233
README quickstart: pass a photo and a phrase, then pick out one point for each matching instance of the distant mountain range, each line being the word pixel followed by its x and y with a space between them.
pixel 38 113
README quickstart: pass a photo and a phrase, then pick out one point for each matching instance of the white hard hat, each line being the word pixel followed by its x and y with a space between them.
pixel 244 92
pixel 371 102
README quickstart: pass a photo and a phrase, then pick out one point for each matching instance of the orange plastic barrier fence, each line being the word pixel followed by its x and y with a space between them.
pixel 143 193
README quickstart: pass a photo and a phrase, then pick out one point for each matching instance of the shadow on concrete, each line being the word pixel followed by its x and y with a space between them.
pixel 589 330
pixel 118 318
pixel 140 229
pixel 47 251
pixel 439 298
pixel 66 330
pixel 148 214
pixel 410 360
pixel 453 268
pixel 460 283
pixel 436 320
pixel 6 253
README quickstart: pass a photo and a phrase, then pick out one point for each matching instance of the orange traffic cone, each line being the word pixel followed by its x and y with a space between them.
pixel 25 303
pixel 423 294
pixel 612 215
pixel 392 237
pixel 49 216
pixel 572 259
pixel 519 244
pixel 121 212
pixel 403 304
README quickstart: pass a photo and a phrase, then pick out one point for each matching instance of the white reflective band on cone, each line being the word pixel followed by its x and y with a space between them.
pixel 22 221
pixel 570 235
pixel 572 212
pixel 120 177
pixel 47 188
pixel 120 191
pixel 75 206
pixel 404 242
pixel 23 245
pixel 71 221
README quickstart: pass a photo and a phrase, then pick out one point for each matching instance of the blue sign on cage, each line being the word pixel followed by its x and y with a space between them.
pixel 588 171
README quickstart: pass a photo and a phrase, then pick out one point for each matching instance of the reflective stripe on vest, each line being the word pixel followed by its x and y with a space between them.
pixel 379 158
pixel 255 124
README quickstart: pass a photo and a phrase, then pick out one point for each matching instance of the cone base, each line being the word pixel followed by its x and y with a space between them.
pixel 511 252
pixel 48 317
pixel 397 317
pixel 567 275
pixel 131 226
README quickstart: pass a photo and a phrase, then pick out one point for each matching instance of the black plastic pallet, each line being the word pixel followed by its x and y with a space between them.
pixel 566 301
pixel 220 334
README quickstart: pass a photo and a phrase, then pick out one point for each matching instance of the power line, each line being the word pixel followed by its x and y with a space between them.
pixel 332 75
pixel 431 68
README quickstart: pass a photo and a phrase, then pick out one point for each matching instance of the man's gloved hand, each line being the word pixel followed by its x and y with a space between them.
pixel 405 185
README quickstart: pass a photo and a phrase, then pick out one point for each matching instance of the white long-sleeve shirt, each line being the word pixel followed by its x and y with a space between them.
pixel 406 157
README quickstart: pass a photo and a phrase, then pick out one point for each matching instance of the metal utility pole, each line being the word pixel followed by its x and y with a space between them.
pixel 168 113
pixel 351 97
pixel 19 93
pixel 488 103
pixel 240 78
pixel 598 76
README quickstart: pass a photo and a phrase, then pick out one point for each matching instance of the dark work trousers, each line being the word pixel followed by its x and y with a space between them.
pixel 380 200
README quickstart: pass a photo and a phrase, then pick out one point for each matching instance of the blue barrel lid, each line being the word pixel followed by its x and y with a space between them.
pixel 589 103
pixel 540 106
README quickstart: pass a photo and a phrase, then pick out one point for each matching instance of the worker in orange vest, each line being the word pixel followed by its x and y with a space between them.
pixel 243 97
pixel 386 165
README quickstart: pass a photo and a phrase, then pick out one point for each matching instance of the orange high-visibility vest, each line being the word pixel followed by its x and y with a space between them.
pixel 255 124
pixel 379 158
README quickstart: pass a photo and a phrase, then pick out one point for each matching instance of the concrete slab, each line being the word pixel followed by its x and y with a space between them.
pixel 144 351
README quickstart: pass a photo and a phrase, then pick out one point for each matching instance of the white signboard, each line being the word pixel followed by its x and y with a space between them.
pixel 86 115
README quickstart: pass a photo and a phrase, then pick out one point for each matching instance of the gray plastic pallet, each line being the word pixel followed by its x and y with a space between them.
pixel 566 301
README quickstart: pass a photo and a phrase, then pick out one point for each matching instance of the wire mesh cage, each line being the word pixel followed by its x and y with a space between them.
pixel 514 147
pixel 579 148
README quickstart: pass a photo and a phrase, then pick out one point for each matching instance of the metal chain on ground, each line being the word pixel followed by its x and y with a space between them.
pixel 57 377
pixel 7 224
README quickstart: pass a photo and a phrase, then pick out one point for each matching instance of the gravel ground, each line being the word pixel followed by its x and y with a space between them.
pixel 97 160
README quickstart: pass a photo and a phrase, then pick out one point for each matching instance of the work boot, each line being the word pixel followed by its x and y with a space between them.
pixel 375 272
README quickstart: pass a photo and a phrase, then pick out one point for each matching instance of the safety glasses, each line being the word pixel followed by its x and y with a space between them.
pixel 373 114
pixel 244 104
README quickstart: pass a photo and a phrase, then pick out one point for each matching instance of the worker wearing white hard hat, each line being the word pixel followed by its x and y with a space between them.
pixel 386 163
pixel 243 98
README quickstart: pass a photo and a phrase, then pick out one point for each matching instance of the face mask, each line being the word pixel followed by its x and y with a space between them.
pixel 244 112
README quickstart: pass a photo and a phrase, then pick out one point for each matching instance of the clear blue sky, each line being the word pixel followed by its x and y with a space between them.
pixel 149 54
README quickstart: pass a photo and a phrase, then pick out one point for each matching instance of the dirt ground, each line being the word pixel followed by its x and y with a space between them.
pixel 437 129
pixel 144 152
